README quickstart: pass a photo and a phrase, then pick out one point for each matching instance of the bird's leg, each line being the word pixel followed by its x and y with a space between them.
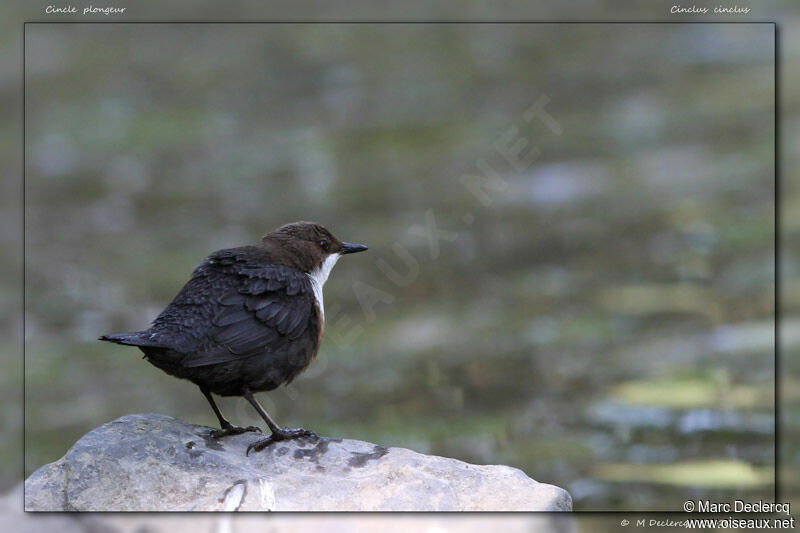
pixel 277 433
pixel 227 427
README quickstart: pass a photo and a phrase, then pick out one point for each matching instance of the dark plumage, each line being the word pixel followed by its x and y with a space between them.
pixel 250 319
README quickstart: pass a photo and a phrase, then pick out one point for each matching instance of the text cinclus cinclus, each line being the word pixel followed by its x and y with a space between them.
pixel 249 319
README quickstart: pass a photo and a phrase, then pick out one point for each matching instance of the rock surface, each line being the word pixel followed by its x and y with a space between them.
pixel 157 463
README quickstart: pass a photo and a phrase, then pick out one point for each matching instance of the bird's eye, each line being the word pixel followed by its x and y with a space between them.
pixel 324 245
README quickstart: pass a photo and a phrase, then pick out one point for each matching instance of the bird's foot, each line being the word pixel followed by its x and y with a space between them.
pixel 230 429
pixel 281 434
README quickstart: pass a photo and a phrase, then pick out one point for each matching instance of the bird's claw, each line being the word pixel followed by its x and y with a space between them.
pixel 283 434
pixel 233 430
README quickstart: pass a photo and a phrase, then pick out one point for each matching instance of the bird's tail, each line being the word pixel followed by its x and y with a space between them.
pixel 140 338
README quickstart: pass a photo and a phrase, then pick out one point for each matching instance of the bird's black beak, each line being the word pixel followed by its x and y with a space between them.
pixel 352 248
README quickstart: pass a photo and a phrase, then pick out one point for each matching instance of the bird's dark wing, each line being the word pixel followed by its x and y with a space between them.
pixel 235 307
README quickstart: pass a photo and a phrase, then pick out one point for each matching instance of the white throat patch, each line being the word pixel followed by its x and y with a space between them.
pixel 319 277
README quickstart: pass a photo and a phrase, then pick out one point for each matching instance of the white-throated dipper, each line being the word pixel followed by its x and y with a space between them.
pixel 249 319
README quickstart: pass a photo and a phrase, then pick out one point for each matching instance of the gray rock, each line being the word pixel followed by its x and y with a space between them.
pixel 12 519
pixel 156 463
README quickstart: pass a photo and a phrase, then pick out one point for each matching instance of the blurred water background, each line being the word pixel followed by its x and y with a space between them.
pixel 600 316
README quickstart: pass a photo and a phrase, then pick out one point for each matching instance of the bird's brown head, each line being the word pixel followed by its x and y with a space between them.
pixel 309 247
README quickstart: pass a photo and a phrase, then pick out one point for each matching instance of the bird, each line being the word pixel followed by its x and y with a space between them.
pixel 249 320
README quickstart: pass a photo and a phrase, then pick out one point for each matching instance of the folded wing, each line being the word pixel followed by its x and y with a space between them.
pixel 235 307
